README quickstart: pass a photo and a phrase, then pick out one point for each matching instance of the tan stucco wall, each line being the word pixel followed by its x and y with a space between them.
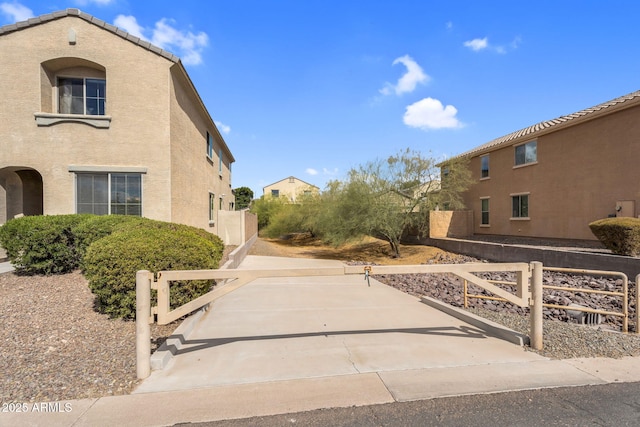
pixel 137 96
pixel 194 174
pixel 158 124
pixel 580 174
pixel 290 188
pixel 450 224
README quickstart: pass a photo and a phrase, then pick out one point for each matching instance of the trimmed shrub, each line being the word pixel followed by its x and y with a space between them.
pixel 42 244
pixel 111 263
pixel 620 235
pixel 95 227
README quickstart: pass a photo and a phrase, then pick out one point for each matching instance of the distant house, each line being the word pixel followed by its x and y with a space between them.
pixel 291 188
pixel 553 178
pixel 95 120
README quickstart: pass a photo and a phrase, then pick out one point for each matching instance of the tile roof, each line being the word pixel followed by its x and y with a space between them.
pixel 89 18
pixel 542 128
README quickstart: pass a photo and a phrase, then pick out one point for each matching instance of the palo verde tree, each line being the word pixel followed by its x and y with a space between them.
pixel 385 198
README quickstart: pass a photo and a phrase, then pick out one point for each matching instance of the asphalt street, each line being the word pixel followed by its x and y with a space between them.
pixel 601 405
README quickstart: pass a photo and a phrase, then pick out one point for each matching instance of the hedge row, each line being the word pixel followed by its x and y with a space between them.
pixel 110 249
pixel 620 235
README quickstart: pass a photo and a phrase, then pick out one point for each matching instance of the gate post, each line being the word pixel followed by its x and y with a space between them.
pixel 535 306
pixel 143 329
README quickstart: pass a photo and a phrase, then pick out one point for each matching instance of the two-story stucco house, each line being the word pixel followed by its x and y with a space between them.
pixel 291 188
pixel 553 178
pixel 95 120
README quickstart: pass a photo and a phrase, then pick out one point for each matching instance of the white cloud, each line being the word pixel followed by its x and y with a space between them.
pixel 409 80
pixel 449 25
pixel 191 45
pixel 16 12
pixel 483 44
pixel 477 44
pixel 223 128
pixel 429 113
pixel 186 44
pixel 311 171
pixel 130 25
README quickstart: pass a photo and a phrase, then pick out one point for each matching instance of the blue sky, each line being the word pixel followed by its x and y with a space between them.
pixel 312 88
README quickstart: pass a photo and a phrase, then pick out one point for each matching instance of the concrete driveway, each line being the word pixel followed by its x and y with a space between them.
pixel 285 329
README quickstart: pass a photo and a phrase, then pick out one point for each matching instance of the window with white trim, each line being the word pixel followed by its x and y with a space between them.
pixel 526 153
pixel 109 193
pixel 212 207
pixel 85 96
pixel 484 211
pixel 209 145
pixel 520 206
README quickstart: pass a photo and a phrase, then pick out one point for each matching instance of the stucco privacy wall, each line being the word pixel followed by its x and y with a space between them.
pixel 131 140
pixel 584 166
pixel 450 224
pixel 237 227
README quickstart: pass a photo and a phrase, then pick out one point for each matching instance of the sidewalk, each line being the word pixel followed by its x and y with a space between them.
pixel 284 345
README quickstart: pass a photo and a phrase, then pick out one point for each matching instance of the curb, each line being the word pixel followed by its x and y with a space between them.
pixel 491 328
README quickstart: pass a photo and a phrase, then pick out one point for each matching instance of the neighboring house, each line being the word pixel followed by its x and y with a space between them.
pixel 95 120
pixel 554 178
pixel 290 188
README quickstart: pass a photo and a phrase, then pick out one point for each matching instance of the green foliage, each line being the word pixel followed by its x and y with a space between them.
pixel 244 195
pixel 266 208
pixel 111 263
pixel 385 198
pixel 95 227
pixel 620 235
pixel 298 217
pixel 42 244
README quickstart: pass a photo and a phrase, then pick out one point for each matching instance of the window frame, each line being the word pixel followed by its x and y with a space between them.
pixel 484 172
pixel 209 146
pixel 518 214
pixel 85 96
pixel 484 211
pixel 525 159
pixel 212 208
pixel 110 192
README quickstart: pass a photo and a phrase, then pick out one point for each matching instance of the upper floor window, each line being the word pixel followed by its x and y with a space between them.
pixel 526 153
pixel 209 145
pixel 84 96
pixel 484 166
pixel 275 193
pixel 220 162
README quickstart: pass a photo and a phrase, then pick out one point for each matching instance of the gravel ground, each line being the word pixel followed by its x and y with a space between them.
pixel 563 337
pixel 55 347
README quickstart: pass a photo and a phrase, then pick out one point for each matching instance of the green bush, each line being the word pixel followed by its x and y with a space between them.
pixel 42 244
pixel 110 264
pixel 95 227
pixel 620 235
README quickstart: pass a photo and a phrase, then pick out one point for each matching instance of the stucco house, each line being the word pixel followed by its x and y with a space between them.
pixel 291 188
pixel 553 178
pixel 95 120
